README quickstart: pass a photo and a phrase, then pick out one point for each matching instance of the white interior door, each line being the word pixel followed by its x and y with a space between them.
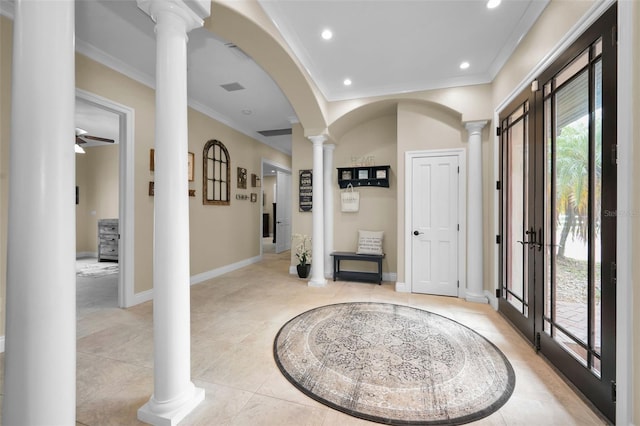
pixel 283 212
pixel 435 227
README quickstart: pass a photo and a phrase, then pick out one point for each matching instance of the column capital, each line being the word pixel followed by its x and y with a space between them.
pixel 318 139
pixel 192 12
pixel 329 147
pixel 475 127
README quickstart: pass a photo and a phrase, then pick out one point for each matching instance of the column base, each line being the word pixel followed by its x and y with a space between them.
pixel 476 298
pixel 317 282
pixel 161 414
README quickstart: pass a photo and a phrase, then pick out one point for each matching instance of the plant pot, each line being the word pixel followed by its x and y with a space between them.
pixel 303 270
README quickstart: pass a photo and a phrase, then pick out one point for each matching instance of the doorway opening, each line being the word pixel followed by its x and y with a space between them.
pixel 558 238
pixel 104 179
pixel 275 236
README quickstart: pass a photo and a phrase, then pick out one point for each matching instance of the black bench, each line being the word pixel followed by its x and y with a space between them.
pixel 375 277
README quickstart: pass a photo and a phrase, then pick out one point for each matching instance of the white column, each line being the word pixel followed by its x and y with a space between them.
pixel 174 395
pixel 328 208
pixel 475 287
pixel 40 358
pixel 317 245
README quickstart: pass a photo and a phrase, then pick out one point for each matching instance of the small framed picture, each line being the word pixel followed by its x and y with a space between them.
pixel 242 178
pixel 381 174
pixel 346 175
pixel 363 174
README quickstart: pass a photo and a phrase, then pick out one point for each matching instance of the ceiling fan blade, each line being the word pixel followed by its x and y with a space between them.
pixel 96 138
pixel 79 140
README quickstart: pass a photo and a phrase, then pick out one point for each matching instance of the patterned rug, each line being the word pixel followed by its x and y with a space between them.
pixel 98 269
pixel 393 364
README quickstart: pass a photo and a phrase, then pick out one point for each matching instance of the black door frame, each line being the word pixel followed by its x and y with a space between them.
pixel 600 390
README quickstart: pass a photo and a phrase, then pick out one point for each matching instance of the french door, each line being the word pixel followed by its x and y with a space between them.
pixel 558 204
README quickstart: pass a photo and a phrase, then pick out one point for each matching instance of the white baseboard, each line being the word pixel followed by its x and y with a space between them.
pixel 198 278
pixel 142 297
pixel 147 295
pixel 402 288
pixel 1 344
pixel 389 276
pixel 493 300
pixel 85 254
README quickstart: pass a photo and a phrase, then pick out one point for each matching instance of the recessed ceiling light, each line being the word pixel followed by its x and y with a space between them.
pixel 464 65
pixel 327 34
pixel 347 82
pixel 247 111
pixel 492 4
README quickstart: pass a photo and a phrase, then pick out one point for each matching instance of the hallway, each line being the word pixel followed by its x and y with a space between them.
pixel 234 319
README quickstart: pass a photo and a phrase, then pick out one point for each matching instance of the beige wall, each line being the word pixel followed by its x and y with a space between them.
pixel 426 126
pixel 211 226
pixel 376 138
pixel 301 159
pixel 97 177
pixel 555 22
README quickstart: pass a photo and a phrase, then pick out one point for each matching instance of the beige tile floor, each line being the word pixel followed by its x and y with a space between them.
pixel 233 323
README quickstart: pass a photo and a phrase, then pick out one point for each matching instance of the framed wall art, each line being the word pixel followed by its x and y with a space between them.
pixel 242 178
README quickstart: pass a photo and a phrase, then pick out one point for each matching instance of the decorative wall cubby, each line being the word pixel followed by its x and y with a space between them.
pixel 364 176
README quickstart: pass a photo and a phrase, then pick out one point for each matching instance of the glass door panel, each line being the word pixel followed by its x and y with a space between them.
pixel 558 221
pixel 572 210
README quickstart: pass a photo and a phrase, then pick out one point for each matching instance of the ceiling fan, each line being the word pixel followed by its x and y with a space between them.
pixel 81 135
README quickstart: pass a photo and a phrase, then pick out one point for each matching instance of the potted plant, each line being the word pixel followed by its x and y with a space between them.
pixel 303 253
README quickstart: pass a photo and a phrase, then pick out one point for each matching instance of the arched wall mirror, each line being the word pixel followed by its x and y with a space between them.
pixel 216 174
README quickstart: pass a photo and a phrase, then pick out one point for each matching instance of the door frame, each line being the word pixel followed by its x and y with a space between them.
pixel 264 164
pixel 409 156
pixel 126 210
pixel 624 309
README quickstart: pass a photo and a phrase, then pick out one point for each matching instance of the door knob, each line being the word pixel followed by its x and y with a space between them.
pixel 417 232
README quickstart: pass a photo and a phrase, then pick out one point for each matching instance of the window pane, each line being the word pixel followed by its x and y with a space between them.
pixel 572 206
pixel 573 68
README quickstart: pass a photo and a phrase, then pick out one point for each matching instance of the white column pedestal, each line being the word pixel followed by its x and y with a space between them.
pixel 475 287
pixel 40 345
pixel 328 208
pixel 174 395
pixel 317 244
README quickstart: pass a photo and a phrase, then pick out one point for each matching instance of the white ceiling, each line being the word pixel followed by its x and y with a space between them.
pixel 397 46
pixel 383 46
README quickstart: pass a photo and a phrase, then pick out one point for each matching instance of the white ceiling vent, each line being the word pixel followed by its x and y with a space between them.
pixel 232 87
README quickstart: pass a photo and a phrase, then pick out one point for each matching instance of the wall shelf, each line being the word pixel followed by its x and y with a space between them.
pixel 364 176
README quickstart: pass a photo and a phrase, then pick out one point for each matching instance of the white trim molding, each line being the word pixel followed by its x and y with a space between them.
pixel 213 273
pixel 407 286
pixel 627 215
pixel 126 213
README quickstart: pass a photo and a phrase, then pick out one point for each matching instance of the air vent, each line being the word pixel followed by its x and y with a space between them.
pixel 278 132
pixel 239 53
pixel 232 87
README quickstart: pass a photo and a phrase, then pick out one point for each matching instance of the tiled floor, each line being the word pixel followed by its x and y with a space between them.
pixel 234 320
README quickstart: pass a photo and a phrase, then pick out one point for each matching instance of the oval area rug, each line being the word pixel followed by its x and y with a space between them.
pixel 393 364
